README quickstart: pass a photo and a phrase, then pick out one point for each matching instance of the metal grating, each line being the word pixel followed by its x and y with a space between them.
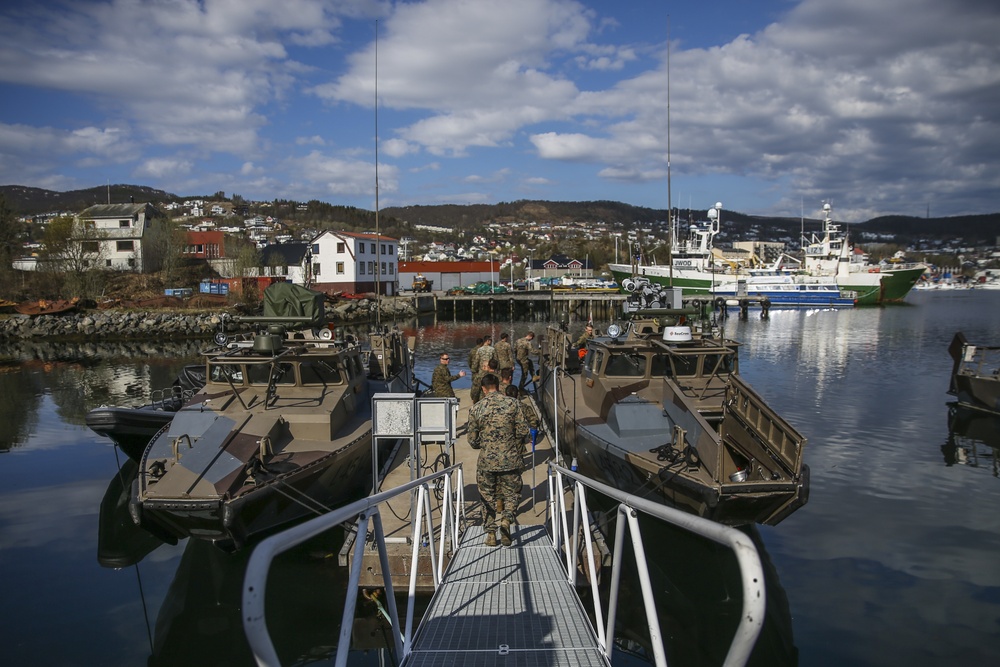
pixel 505 606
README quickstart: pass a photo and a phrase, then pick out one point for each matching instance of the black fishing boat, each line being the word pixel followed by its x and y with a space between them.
pixel 132 427
pixel 659 410
pixel 280 431
pixel 975 375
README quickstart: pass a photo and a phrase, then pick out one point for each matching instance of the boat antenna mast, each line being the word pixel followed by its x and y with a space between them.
pixel 378 240
pixel 670 205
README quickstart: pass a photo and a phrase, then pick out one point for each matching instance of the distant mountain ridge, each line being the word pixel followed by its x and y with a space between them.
pixel 23 200
pixel 974 229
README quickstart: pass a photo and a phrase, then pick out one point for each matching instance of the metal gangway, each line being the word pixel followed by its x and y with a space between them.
pixel 513 605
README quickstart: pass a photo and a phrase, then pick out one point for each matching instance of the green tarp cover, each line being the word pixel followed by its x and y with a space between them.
pixel 290 300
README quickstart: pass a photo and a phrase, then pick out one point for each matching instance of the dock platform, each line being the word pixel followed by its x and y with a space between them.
pixel 510 606
pixel 396 521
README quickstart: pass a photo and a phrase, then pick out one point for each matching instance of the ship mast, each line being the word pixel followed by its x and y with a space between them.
pixel 670 206
pixel 378 240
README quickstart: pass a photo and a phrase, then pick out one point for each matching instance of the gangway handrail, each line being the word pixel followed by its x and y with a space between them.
pixel 752 574
pixel 255 579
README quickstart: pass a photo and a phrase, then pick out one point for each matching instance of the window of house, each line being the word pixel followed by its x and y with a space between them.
pixel 341 247
pixel 383 251
pixel 361 268
pixel 107 263
pixel 315 248
pixel 373 248
pixel 392 268
pixel 91 246
pixel 124 246
pixel 383 268
pixel 316 269
pixel 371 268
pixel 340 268
pixel 361 248
pixel 131 262
pixel 124 224
pixel 86 263
pixel 88 224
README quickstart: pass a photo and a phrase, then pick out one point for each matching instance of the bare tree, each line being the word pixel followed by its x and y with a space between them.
pixel 77 254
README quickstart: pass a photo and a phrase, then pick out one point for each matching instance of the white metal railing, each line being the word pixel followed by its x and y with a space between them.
pixel 366 510
pixel 752 574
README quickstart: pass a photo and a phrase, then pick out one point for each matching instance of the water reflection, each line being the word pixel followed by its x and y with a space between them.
pixel 973 439
pixel 699 601
pixel 199 621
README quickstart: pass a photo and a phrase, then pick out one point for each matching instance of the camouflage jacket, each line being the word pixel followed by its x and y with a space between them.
pixel 582 340
pixel 497 427
pixel 505 355
pixel 474 358
pixel 486 352
pixel 528 412
pixel 523 349
pixel 441 381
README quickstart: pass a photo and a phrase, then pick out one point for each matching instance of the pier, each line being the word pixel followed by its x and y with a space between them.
pixel 553 305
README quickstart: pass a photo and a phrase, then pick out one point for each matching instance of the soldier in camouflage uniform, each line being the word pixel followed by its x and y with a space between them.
pixel 588 334
pixel 505 353
pixel 442 378
pixel 526 410
pixel 522 350
pixel 487 351
pixel 476 369
pixel 497 428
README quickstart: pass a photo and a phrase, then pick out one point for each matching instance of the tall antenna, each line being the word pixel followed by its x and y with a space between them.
pixel 378 240
pixel 670 204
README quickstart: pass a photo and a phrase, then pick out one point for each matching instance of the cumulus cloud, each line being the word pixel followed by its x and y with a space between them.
pixel 332 175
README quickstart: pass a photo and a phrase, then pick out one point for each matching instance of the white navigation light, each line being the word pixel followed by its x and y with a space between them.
pixel 325 334
pixel 614 330
pixel 677 334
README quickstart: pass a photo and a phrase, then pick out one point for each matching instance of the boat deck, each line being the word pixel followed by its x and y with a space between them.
pixel 396 517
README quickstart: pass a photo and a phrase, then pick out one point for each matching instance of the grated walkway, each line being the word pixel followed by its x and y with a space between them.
pixel 505 606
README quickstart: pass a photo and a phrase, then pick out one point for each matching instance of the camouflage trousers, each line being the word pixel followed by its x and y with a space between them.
pixel 499 489
pixel 477 388
pixel 527 371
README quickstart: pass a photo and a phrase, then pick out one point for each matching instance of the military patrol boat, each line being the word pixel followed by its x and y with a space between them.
pixel 281 430
pixel 975 375
pixel 659 410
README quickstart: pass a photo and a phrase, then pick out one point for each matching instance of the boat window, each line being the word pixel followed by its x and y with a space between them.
pixel 284 374
pixel 660 366
pixel 595 358
pixel 717 363
pixel 224 373
pixel 319 372
pixel 685 366
pixel 624 364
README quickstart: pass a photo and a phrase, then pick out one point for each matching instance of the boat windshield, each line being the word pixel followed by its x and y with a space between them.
pixel 284 373
pixel 319 373
pixel 225 373
pixel 626 364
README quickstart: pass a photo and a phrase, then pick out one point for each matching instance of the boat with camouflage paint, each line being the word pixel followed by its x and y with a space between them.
pixel 659 410
pixel 281 430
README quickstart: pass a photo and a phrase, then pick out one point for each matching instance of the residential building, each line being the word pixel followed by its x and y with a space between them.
pixel 558 266
pixel 354 263
pixel 205 245
pixel 112 235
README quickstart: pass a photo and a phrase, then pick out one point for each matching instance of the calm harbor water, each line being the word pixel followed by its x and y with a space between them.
pixel 892 562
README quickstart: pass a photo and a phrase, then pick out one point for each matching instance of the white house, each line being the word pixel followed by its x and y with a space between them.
pixel 354 263
pixel 112 234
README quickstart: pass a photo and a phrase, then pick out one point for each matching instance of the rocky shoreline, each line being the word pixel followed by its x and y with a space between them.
pixel 171 324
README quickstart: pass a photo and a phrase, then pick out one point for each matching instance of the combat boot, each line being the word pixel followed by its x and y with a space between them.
pixel 491 539
pixel 505 532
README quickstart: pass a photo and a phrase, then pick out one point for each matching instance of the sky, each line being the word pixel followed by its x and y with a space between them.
pixel 773 106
